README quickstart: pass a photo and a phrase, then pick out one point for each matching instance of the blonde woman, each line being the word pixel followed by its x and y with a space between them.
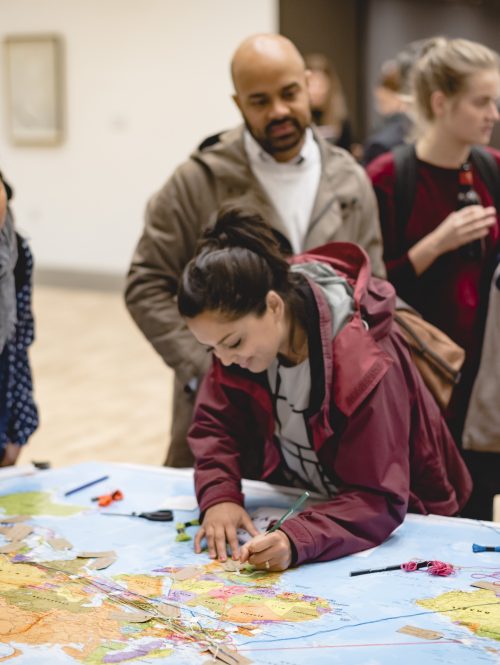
pixel 456 87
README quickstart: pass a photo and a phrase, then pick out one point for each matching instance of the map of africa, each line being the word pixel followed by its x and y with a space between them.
pixel 80 587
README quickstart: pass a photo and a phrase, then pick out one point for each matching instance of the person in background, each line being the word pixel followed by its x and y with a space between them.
pixel 393 103
pixel 311 386
pixel 18 411
pixel 328 103
pixel 456 91
pixel 481 437
pixel 311 191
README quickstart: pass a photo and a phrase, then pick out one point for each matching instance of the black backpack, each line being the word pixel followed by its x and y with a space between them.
pixel 405 164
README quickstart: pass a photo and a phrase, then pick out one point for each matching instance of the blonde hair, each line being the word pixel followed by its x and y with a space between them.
pixel 334 111
pixel 446 65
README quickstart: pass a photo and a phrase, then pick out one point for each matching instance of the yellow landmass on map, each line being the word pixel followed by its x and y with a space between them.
pixel 39 607
pixel 98 656
pixel 93 629
pixel 245 602
pixel 146 585
pixel 477 610
pixel 36 503
pixel 18 575
pixel 58 626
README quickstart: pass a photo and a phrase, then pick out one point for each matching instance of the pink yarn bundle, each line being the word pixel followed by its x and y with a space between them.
pixel 433 567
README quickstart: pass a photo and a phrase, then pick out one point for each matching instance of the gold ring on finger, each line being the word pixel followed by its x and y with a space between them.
pixel 267 565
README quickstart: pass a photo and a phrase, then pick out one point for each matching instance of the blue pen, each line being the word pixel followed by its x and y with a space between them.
pixel 84 487
pixel 485 548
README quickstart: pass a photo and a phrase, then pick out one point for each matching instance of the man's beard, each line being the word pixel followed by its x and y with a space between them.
pixel 276 144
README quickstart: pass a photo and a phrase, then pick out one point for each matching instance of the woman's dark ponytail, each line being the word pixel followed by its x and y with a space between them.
pixel 238 261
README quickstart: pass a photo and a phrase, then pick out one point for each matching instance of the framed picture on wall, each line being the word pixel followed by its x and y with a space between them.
pixel 34 94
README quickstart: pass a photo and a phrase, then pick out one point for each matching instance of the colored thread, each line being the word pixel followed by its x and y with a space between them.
pixel 485 548
pixel 181 527
pixel 107 499
pixel 410 566
pixel 439 568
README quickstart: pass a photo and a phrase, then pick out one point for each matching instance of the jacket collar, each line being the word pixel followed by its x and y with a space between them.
pixel 228 162
pixel 353 363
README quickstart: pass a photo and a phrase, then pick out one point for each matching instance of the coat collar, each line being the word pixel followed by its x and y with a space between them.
pixel 229 164
pixel 353 362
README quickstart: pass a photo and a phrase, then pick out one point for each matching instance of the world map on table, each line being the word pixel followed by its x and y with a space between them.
pixel 78 586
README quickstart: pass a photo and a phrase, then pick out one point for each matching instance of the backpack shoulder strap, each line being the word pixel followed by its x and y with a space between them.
pixel 488 170
pixel 405 186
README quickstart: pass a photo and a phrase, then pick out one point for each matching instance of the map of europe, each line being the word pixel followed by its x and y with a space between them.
pixel 81 586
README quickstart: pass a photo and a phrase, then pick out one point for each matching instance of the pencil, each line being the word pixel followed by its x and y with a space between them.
pixel 84 487
pixel 293 509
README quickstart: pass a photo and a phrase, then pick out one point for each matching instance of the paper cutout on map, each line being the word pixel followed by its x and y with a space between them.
pixel 186 573
pixel 14 519
pixel 101 560
pixel 168 611
pixel 227 656
pixel 232 566
pixel 16 532
pixel 16 546
pixel 59 543
pixel 491 586
pixel 420 632
pixel 94 555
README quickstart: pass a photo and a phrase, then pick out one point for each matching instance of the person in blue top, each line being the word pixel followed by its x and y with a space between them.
pixel 18 411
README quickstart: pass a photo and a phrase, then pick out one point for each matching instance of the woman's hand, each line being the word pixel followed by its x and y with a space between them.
pixel 268 551
pixel 464 226
pixel 219 527
pixel 459 228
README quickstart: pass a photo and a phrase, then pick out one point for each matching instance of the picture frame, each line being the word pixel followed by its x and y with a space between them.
pixel 34 89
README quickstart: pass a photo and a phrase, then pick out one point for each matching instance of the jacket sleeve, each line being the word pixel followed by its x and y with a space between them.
pixel 372 463
pixel 369 231
pixel 174 220
pixel 217 428
pixel 400 270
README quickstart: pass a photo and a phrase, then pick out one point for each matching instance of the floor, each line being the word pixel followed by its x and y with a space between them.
pixel 103 393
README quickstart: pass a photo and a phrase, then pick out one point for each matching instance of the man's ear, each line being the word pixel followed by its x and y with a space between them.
pixel 236 100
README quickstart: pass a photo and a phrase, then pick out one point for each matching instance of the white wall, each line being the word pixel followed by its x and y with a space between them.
pixel 146 80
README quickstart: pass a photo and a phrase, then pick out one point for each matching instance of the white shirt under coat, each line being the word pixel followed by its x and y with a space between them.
pixel 291 186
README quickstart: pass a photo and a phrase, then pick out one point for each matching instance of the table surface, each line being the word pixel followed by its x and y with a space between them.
pixel 158 602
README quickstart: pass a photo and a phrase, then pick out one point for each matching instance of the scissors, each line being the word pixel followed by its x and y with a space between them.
pixel 153 516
